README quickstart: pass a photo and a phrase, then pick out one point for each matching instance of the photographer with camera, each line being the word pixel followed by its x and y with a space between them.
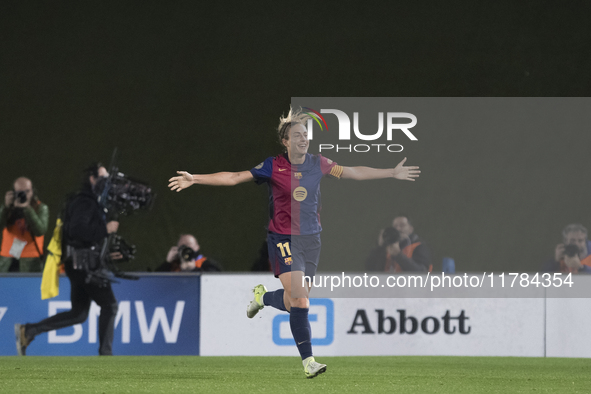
pixel 407 252
pixel 187 257
pixel 573 255
pixel 85 234
pixel 381 258
pixel 24 220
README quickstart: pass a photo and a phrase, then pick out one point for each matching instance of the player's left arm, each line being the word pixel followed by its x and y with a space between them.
pixel 405 173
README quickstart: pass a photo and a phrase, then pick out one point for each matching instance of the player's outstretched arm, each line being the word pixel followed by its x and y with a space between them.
pixel 184 179
pixel 405 173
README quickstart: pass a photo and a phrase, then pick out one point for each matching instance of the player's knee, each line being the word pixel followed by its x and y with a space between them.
pixel 80 316
pixel 295 299
pixel 300 302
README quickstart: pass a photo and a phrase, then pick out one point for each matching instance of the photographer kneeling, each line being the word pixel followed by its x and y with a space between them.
pixel 84 231
pixel 24 221
pixel 187 257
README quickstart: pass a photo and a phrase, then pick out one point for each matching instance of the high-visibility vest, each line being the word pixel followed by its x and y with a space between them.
pixel 408 251
pixel 564 268
pixel 19 230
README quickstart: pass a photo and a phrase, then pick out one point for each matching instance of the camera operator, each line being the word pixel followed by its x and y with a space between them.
pixel 84 231
pixel 187 257
pixel 573 254
pixel 24 220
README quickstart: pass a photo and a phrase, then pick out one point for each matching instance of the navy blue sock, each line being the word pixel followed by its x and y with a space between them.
pixel 300 329
pixel 275 299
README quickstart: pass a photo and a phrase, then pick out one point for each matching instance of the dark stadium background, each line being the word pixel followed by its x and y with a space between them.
pixel 200 86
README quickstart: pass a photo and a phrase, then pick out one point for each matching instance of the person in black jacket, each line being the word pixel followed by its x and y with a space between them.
pixel 85 229
pixel 414 254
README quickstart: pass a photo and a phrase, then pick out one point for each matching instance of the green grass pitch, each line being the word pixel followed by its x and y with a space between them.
pixel 188 374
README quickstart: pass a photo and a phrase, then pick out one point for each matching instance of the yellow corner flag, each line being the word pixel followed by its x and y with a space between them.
pixel 50 286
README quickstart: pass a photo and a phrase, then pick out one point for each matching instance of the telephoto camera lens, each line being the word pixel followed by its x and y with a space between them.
pixel 21 196
pixel 571 250
pixel 186 253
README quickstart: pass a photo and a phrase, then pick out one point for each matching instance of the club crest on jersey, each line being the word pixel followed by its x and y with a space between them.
pixel 287 260
pixel 300 193
pixel 297 175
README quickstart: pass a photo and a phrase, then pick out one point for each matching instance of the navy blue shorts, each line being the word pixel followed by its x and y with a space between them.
pixel 294 253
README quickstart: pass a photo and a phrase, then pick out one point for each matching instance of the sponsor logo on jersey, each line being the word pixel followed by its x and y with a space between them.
pixel 300 193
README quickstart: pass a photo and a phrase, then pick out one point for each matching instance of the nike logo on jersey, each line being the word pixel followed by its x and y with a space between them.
pixel 282 169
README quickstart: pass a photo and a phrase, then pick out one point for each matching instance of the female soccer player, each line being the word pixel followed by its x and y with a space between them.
pixel 294 227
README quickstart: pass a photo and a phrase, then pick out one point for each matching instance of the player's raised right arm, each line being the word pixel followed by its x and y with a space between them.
pixel 184 179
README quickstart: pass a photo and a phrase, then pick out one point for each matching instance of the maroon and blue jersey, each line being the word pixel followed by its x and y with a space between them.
pixel 294 192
